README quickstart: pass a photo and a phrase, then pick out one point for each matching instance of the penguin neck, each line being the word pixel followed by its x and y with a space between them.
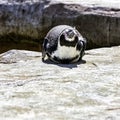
pixel 68 42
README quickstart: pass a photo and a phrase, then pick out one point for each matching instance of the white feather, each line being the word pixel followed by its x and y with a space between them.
pixel 65 52
pixel 70 39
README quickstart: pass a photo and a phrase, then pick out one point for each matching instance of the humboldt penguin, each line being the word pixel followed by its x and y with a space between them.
pixel 63 44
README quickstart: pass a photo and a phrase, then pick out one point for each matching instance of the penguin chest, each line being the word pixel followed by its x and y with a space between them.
pixel 65 52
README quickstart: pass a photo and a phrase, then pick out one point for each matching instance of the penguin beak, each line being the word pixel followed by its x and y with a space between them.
pixel 70 34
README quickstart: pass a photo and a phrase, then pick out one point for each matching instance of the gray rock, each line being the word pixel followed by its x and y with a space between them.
pixel 31 89
pixel 97 21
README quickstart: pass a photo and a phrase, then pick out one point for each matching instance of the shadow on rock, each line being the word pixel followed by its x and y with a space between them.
pixel 71 65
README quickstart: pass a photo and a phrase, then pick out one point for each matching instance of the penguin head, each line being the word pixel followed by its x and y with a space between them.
pixel 70 35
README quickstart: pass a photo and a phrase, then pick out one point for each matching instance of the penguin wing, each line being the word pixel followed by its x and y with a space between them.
pixel 45 44
pixel 50 45
pixel 81 46
pixel 44 49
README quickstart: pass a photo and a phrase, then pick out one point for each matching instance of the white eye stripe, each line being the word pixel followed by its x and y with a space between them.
pixel 69 39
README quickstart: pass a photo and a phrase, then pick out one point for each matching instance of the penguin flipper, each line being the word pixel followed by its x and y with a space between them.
pixel 81 46
pixel 44 49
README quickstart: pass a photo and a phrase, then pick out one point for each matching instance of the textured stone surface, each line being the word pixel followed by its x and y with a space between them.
pixel 97 20
pixel 30 89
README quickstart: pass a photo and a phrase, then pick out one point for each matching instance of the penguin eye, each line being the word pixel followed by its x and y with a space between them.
pixel 70 33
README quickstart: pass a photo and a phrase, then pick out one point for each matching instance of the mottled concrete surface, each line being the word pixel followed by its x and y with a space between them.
pixel 33 90
pixel 29 20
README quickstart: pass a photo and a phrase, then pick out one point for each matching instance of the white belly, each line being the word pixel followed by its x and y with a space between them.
pixel 64 52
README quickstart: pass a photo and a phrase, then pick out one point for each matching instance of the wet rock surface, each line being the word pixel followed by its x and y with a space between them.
pixel 31 89
pixel 97 20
